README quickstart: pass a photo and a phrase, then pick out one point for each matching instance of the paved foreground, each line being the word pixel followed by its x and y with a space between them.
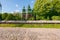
pixel 29 34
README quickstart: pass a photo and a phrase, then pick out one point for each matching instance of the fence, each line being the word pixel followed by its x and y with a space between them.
pixel 30 22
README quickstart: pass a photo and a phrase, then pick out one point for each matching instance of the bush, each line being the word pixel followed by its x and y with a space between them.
pixel 56 17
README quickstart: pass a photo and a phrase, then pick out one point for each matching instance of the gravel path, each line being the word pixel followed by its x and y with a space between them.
pixel 29 34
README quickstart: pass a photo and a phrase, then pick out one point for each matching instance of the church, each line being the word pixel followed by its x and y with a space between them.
pixel 26 14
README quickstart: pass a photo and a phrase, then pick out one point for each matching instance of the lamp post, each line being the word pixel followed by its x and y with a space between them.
pixel 0 7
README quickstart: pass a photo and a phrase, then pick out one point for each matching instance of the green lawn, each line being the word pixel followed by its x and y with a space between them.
pixel 31 25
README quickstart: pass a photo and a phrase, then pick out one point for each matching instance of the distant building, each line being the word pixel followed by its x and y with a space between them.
pixel 29 12
pixel 0 7
pixel 26 14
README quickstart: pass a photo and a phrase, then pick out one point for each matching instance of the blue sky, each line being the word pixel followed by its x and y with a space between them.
pixel 15 5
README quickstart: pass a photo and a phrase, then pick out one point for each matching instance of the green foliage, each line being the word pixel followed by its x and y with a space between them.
pixel 10 17
pixel 31 18
pixel 18 16
pixel 47 8
pixel 31 25
pixel 0 16
pixel 39 18
pixel 13 17
pixel 4 15
pixel 56 17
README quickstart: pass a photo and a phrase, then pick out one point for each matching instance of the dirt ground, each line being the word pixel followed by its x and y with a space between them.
pixel 29 34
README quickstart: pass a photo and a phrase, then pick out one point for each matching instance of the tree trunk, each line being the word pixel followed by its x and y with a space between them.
pixel 50 17
pixel 35 16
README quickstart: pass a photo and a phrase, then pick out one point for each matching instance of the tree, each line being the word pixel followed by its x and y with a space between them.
pixel 10 17
pixel 0 16
pixel 53 8
pixel 17 16
pixel 38 8
pixel 4 15
pixel 47 8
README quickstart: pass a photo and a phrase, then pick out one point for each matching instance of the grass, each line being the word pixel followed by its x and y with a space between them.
pixel 31 25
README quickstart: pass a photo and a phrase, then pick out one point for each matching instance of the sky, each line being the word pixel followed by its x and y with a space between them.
pixel 15 5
